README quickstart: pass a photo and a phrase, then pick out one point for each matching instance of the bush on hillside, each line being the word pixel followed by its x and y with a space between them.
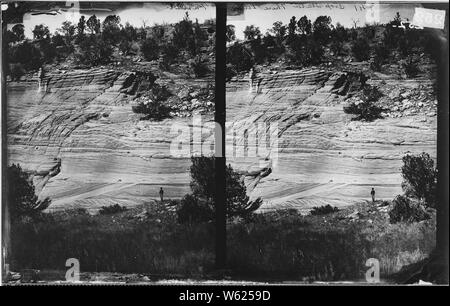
pixel 113 209
pixel 323 210
pixel 199 66
pixel 192 210
pixel 21 197
pixel 366 108
pixel 361 49
pixel 16 71
pixel 404 210
pixel 150 49
pixel 381 56
pixel 151 108
pixel 420 178
pixel 411 67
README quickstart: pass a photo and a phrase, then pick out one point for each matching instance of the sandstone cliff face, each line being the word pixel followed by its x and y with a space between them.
pixel 85 146
pixel 323 156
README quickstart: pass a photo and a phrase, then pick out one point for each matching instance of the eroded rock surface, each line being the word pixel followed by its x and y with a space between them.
pixel 85 146
pixel 323 156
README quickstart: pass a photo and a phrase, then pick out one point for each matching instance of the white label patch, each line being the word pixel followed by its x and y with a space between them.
pixel 428 18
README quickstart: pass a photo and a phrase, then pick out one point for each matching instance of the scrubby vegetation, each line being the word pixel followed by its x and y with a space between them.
pixel 303 43
pixel 420 187
pixel 365 106
pixel 176 238
pixel 91 43
pixel 113 209
pixel 420 178
pixel 281 245
pixel 323 210
pixel 21 198
pixel 153 104
pixel 411 66
pixel 405 210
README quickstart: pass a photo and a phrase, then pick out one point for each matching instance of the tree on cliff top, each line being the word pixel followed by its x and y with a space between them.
pixel 41 31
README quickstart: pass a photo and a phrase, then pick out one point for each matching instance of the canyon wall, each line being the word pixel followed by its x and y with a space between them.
pixel 85 147
pixel 323 156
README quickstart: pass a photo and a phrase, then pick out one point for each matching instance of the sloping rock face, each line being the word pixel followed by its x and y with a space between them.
pixel 85 146
pixel 322 156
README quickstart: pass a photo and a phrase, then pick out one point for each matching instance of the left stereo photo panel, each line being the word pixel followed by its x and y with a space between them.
pixel 108 107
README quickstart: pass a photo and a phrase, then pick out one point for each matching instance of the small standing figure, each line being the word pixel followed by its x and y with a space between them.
pixel 252 76
pixel 41 76
pixel 372 193
pixel 161 193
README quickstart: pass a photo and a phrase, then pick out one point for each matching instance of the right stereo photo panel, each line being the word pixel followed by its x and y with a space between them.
pixel 332 127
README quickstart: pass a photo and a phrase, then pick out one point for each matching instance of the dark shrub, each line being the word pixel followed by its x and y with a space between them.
pixel 153 109
pixel 19 31
pixel 336 46
pixel 93 51
pixel 184 36
pixel 339 33
pixel 230 72
pixel 420 178
pixel 48 50
pixel 251 32
pixel 125 46
pixel 169 55
pixel 27 54
pixel 381 57
pixel 231 33
pixel 159 92
pixel 21 197
pixel 404 210
pixel 16 71
pixel 240 57
pixel 323 210
pixel 366 109
pixel 393 33
pixel 111 29
pixel 41 32
pixel 361 49
pixel 369 31
pixel 305 51
pixel 150 49
pixel 411 67
pixel 193 210
pixel 285 247
pixel 322 29
pixel 154 105
pixel 203 186
pixel 113 209
pixel 199 66
pixel 371 93
pixel 156 245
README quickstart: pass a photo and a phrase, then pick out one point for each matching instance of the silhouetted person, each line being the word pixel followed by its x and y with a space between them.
pixel 372 193
pixel 161 194
pixel 252 76
pixel 41 76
